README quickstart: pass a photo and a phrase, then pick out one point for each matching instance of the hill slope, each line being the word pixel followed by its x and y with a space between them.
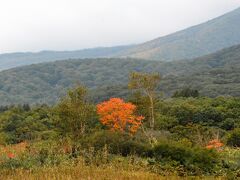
pixel 193 42
pixel 12 60
pixel 215 74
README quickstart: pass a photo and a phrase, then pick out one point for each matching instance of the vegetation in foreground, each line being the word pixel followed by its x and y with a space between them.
pixel 80 171
pixel 144 137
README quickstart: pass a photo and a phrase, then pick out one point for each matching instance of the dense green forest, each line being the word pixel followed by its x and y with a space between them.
pixel 213 75
pixel 184 135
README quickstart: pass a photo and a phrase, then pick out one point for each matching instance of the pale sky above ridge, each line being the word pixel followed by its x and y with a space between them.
pixel 35 25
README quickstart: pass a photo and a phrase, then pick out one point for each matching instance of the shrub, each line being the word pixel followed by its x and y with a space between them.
pixel 209 116
pixel 25 162
pixel 194 159
pixel 234 138
pixel 231 162
pixel 228 124
pixel 165 122
pixel 117 143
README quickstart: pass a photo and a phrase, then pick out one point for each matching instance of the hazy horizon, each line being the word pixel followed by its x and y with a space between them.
pixel 28 26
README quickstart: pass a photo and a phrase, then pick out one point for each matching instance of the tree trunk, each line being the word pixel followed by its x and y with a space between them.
pixel 152 120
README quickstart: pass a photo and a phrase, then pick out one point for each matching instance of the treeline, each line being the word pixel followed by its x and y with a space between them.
pixel 183 135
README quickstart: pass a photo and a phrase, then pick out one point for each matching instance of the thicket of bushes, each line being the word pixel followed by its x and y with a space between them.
pixel 176 144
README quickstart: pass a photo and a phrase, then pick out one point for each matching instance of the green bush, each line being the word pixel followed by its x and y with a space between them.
pixel 194 159
pixel 234 138
pixel 231 162
pixel 228 124
pixel 165 122
pixel 117 143
pixel 24 163
pixel 208 115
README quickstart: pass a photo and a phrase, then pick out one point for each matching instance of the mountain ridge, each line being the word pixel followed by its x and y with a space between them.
pixel 11 60
pixel 213 75
pixel 198 40
pixel 162 48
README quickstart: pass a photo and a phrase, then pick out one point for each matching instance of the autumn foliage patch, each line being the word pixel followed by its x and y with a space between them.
pixel 12 151
pixel 119 115
pixel 214 144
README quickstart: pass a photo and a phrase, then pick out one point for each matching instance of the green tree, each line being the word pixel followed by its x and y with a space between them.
pixel 74 112
pixel 234 138
pixel 147 84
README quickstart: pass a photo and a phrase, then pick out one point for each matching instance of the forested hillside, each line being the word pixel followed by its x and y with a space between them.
pixel 193 42
pixel 213 75
pixel 12 60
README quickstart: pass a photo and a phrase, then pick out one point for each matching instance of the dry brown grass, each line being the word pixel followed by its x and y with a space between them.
pixel 86 172
pixel 67 173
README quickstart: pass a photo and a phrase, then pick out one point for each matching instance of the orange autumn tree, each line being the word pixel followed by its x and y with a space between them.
pixel 119 115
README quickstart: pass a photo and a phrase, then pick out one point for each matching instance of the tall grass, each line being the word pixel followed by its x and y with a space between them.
pixel 86 172
pixel 64 173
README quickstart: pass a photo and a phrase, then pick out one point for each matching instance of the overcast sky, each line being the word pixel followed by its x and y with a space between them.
pixel 35 25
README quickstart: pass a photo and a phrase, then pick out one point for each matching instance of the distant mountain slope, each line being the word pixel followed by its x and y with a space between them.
pixel 215 74
pixel 12 60
pixel 193 42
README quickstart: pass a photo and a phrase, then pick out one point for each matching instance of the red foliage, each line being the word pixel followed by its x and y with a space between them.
pixel 214 144
pixel 12 151
pixel 119 115
pixel 11 155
